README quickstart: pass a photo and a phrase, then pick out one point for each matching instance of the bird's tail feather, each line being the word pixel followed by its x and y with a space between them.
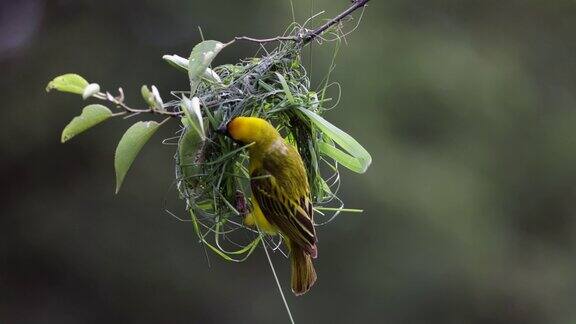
pixel 303 273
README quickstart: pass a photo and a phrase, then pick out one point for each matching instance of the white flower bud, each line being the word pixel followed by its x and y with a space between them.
pixel 209 74
pixel 157 98
pixel 90 90
pixel 194 115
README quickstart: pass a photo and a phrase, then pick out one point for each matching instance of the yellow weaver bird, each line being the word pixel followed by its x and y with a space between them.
pixel 280 194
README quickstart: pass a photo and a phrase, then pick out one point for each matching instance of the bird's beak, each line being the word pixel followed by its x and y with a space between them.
pixel 223 129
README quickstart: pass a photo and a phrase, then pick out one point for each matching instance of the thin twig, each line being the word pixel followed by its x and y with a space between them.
pixel 307 37
pixel 318 31
pixel 268 40
pixel 303 37
pixel 119 102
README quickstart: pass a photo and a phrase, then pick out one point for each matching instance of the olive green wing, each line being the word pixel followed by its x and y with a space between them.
pixel 291 215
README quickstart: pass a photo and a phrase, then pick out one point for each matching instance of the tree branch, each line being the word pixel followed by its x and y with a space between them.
pixel 309 36
pixel 267 40
pixel 318 31
pixel 118 101
pixel 301 38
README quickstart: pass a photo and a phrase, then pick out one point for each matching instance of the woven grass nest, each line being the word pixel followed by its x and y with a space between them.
pixel 211 170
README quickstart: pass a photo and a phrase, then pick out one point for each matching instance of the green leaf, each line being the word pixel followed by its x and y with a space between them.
pixel 285 87
pixel 200 59
pixel 354 156
pixel 72 83
pixel 182 64
pixel 91 116
pixel 188 147
pixel 130 145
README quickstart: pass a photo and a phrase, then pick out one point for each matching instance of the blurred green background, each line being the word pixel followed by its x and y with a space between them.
pixel 468 108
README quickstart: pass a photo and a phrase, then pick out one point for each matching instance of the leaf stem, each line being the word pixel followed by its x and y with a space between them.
pixel 119 102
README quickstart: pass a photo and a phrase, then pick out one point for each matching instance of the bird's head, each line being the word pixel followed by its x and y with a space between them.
pixel 246 130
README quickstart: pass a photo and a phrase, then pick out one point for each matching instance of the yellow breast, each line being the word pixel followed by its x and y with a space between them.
pixel 256 217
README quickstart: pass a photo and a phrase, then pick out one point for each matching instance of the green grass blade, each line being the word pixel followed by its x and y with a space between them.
pixel 356 158
pixel 285 87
